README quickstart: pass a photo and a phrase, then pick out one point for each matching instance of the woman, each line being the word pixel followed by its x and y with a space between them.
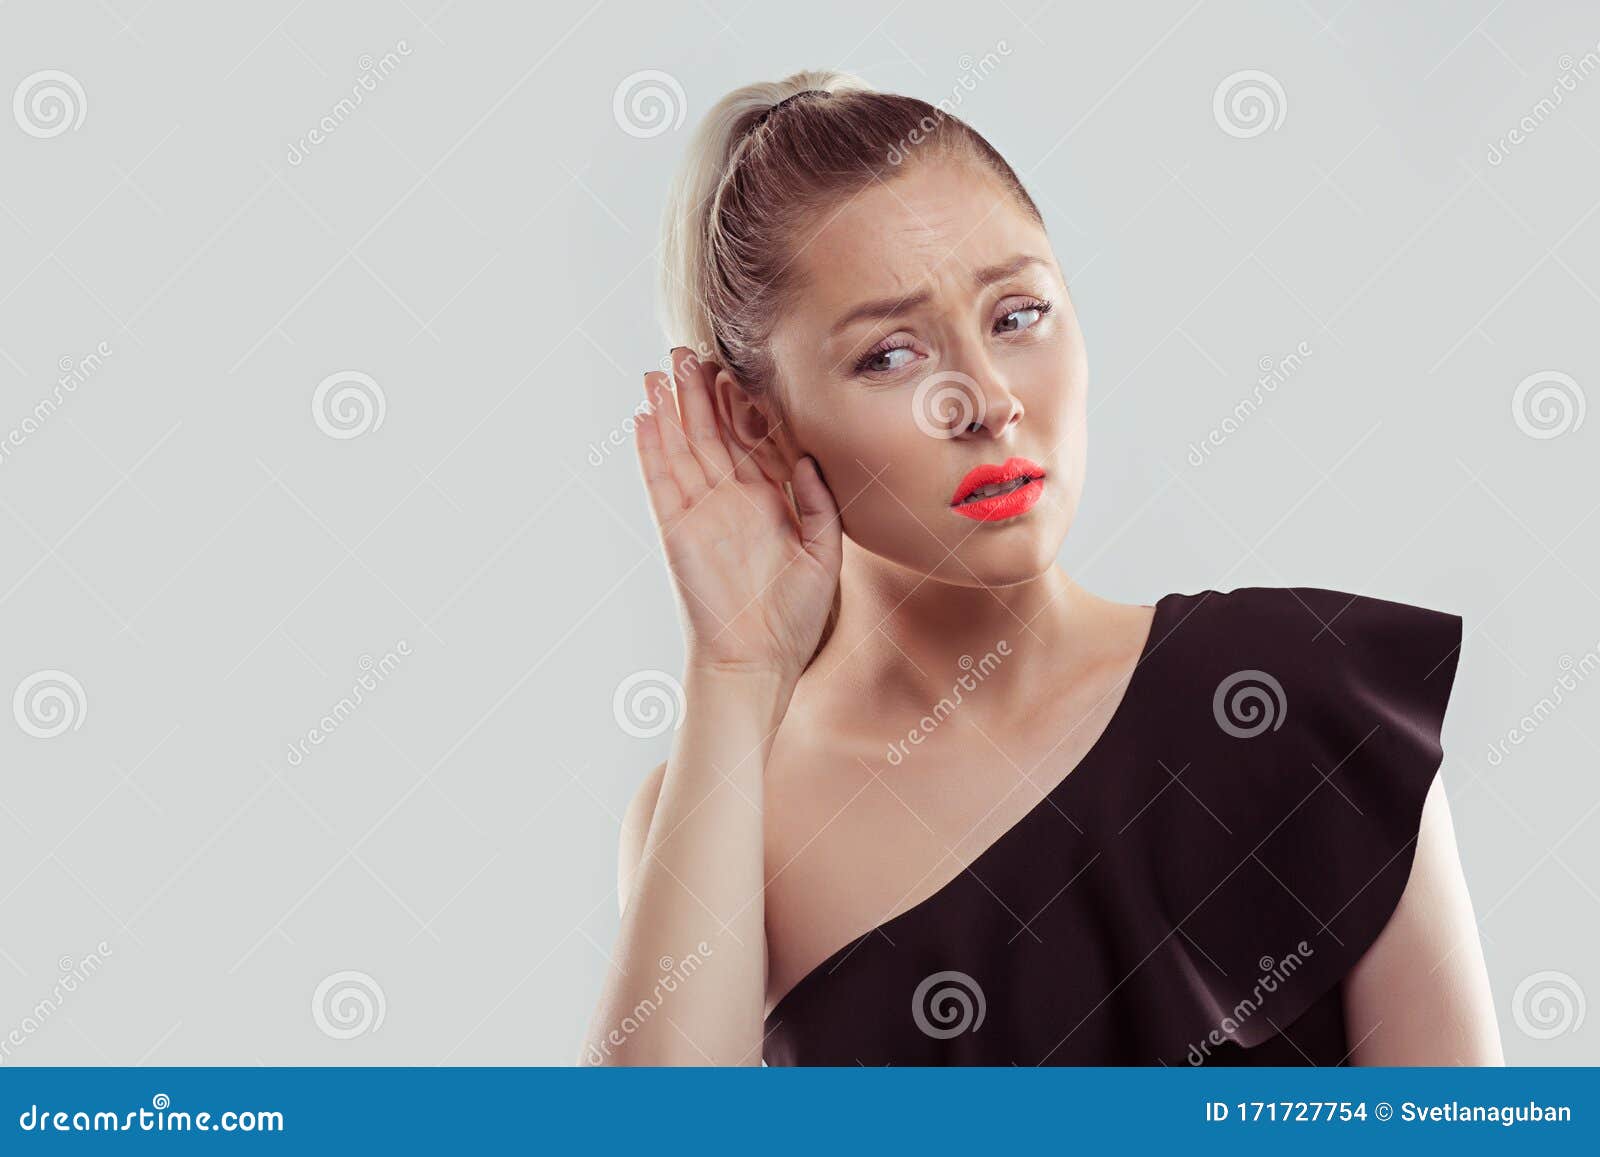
pixel 931 801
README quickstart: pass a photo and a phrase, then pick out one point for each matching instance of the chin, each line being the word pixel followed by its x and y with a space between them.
pixel 969 554
pixel 1003 561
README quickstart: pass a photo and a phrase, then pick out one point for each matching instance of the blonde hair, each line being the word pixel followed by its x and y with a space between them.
pixel 761 161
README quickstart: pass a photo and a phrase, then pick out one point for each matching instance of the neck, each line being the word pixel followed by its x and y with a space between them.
pixel 905 636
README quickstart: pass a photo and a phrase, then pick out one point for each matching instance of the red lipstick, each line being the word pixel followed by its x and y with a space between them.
pixel 991 493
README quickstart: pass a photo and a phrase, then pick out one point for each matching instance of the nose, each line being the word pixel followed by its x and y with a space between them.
pixel 996 408
pixel 985 407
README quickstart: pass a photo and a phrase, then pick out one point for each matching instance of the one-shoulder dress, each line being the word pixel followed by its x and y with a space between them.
pixel 1195 888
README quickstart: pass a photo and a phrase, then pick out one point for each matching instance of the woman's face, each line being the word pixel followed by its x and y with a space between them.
pixel 933 336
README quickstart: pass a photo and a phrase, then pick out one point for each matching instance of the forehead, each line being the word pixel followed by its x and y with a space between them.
pixel 927 227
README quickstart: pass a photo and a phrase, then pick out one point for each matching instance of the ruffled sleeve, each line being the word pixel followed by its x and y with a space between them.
pixel 1329 709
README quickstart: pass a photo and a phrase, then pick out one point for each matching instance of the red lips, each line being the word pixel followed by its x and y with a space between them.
pixel 1023 481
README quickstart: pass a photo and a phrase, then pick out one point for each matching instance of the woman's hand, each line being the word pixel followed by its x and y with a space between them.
pixel 754 587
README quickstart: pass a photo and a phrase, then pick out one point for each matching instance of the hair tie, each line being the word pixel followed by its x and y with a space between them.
pixel 762 119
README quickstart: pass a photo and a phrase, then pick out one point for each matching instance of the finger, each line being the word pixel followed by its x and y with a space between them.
pixel 819 514
pixel 666 500
pixel 685 467
pixel 694 379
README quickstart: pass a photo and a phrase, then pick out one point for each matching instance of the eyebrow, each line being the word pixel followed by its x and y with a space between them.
pixel 896 306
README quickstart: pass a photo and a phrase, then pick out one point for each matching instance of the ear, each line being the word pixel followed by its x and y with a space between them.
pixel 756 426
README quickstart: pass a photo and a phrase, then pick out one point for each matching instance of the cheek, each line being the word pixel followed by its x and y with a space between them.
pixel 876 461
pixel 868 442
pixel 1056 370
pixel 1057 405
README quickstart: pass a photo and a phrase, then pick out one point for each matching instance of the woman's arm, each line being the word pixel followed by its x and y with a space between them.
pixel 1420 995
pixel 690 884
pixel 755 578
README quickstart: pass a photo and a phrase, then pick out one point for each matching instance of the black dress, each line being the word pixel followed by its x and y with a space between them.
pixel 1194 891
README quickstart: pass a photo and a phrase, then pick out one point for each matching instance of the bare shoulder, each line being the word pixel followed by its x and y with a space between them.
pixel 1116 633
pixel 1420 994
pixel 636 830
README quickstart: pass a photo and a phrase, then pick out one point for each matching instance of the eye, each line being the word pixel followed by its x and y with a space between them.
pixel 882 360
pixel 1027 316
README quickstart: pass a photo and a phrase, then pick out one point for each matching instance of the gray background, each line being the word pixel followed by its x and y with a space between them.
pixel 184 539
